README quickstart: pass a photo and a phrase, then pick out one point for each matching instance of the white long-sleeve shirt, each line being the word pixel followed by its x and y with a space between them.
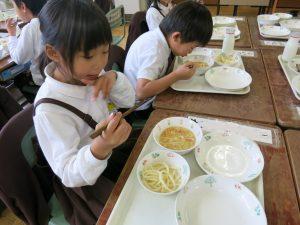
pixel 154 17
pixel 27 47
pixel 64 137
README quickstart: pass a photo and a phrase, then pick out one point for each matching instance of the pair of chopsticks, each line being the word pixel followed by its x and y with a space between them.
pixel 99 131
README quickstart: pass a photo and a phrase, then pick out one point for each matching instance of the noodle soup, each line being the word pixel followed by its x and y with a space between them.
pixel 177 138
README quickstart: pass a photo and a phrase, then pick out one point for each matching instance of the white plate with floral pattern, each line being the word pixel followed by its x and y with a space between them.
pixel 230 155
pixel 215 200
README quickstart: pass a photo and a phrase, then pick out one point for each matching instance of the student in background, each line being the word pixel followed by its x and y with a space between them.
pixel 157 11
pixel 77 38
pixel 27 47
pixel 187 26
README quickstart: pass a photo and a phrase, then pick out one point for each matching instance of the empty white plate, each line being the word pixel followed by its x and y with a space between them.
pixel 283 16
pixel 292 25
pixel 274 30
pixel 229 78
pixel 215 200
pixel 223 21
pixel 231 155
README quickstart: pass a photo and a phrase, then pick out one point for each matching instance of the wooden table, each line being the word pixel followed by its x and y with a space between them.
pixel 279 191
pixel 6 63
pixel 244 41
pixel 292 140
pixel 285 103
pixel 256 106
pixel 258 40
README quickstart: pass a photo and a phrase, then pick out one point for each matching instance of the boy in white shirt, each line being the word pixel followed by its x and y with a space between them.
pixel 28 46
pixel 187 26
pixel 157 11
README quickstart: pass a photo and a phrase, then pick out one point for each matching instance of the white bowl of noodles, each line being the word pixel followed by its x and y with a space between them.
pixel 163 172
pixel 177 134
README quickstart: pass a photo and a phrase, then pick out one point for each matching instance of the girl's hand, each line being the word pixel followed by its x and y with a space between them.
pixel 11 26
pixel 185 71
pixel 104 83
pixel 117 132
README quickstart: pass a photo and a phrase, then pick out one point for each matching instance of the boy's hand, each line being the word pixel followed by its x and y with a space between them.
pixel 185 71
pixel 104 83
pixel 11 26
pixel 117 132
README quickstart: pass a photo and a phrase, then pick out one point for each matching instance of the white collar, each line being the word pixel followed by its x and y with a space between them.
pixel 75 91
pixel 162 39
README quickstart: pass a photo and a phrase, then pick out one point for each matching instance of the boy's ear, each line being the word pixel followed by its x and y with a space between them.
pixel 176 36
pixel 23 7
pixel 52 53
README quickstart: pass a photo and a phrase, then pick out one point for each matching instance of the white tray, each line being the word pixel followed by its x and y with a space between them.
pixel 271 37
pixel 136 206
pixel 218 38
pixel 198 83
pixel 289 75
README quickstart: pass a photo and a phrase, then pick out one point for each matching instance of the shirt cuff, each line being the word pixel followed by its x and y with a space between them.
pixel 90 158
pixel 12 38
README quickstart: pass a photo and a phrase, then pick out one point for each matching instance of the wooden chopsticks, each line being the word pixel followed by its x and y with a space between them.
pixel 99 131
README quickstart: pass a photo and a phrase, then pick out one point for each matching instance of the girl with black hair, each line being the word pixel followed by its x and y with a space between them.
pixel 157 11
pixel 27 47
pixel 77 37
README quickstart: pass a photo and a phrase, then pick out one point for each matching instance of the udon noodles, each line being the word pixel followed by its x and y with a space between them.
pixel 160 177
pixel 177 138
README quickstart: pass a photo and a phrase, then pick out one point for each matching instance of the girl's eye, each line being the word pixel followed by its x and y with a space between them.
pixel 88 57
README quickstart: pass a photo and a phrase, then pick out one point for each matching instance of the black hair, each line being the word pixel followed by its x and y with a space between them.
pixel 35 6
pixel 192 20
pixel 71 26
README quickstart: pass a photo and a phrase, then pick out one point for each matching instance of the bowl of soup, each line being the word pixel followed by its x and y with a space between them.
pixel 201 62
pixel 177 134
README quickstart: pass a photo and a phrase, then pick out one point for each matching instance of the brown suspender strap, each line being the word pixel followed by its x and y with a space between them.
pixel 86 117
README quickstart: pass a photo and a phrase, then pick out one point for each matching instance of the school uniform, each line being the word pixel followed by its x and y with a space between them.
pixel 64 137
pixel 147 58
pixel 27 47
pixel 155 16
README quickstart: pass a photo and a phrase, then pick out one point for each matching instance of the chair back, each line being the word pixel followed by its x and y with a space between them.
pixel 20 188
pixel 116 59
pixel 137 27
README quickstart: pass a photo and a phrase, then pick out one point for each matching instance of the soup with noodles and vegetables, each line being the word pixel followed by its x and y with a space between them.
pixel 177 138
pixel 200 64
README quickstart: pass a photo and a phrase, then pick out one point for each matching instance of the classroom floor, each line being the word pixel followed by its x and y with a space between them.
pixel 7 217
